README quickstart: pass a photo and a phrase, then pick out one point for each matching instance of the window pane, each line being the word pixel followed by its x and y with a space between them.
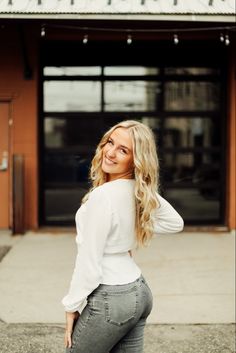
pixel 130 70
pixel 69 96
pixel 190 96
pixel 66 168
pixel 131 95
pixel 191 132
pixel 191 168
pixel 81 134
pixel 61 204
pixel 153 122
pixel 195 178
pixel 201 205
pixel 191 71
pixel 72 70
pixel 69 147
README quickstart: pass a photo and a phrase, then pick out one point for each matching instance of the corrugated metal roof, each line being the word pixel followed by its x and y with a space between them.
pixel 168 7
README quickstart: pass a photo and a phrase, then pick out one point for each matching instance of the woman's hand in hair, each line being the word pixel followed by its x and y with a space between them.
pixel 71 319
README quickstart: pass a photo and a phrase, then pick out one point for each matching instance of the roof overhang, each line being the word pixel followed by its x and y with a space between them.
pixel 123 17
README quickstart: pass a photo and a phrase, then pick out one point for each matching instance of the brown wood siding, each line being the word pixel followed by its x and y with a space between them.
pixel 23 96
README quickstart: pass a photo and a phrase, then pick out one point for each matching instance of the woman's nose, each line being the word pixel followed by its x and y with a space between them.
pixel 111 152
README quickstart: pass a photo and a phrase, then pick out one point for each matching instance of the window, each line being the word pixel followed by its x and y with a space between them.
pixel 183 106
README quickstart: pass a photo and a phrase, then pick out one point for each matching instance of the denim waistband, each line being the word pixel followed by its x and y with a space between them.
pixel 118 288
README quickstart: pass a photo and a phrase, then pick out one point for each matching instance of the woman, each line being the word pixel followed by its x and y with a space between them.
pixel 109 300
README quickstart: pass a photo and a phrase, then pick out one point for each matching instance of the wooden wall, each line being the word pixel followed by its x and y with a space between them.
pixel 23 97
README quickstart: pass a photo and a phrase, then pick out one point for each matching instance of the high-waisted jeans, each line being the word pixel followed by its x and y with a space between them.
pixel 113 320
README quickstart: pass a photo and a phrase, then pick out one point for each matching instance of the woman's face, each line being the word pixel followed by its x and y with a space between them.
pixel 117 156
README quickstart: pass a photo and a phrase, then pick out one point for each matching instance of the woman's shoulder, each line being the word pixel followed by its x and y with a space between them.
pixel 99 192
pixel 111 187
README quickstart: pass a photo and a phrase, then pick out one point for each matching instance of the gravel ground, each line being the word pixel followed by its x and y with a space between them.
pixel 36 338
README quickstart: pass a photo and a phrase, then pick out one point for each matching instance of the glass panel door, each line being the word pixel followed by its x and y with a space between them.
pixel 183 105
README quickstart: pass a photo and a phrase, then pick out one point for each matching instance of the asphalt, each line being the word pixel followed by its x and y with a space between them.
pixel 192 276
pixel 40 338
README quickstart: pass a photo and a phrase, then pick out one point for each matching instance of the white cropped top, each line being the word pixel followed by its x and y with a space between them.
pixel 105 226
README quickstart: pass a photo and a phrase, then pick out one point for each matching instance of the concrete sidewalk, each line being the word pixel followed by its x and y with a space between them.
pixel 191 276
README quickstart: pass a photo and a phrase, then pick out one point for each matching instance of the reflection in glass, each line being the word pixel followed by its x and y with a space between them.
pixel 195 204
pixel 66 168
pixel 131 95
pixel 191 71
pixel 81 134
pixel 72 70
pixel 190 96
pixel 61 204
pixel 192 168
pixel 152 122
pixel 130 71
pixel 69 96
pixel 191 132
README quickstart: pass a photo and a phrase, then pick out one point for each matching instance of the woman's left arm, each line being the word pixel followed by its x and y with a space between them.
pixel 166 218
pixel 87 273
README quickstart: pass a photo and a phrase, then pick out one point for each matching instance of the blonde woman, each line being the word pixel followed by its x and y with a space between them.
pixel 109 300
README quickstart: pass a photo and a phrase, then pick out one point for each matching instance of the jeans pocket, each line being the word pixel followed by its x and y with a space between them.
pixel 121 307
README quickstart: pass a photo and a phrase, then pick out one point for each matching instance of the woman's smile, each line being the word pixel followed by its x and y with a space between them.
pixel 109 161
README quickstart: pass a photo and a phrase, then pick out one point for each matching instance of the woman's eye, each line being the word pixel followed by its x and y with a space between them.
pixel 123 150
pixel 110 142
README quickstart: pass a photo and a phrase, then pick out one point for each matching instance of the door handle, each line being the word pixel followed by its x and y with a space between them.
pixel 4 164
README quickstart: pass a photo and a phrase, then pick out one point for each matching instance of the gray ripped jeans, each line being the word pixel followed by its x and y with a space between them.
pixel 114 319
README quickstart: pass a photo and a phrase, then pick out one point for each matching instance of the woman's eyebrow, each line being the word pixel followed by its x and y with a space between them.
pixel 127 148
pixel 123 146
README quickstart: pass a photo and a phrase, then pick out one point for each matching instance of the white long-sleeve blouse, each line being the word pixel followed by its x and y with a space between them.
pixel 105 226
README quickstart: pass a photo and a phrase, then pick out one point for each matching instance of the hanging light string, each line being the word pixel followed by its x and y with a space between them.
pixel 143 30
pixel 224 38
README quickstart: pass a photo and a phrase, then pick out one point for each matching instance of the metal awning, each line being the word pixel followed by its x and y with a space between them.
pixel 168 10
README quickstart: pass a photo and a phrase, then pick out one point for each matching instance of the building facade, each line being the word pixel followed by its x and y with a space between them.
pixel 67 75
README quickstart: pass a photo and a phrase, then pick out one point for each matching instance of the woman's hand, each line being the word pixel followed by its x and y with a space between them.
pixel 71 319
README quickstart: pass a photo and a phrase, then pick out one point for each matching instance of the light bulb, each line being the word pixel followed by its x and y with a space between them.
pixel 222 38
pixel 43 32
pixel 176 39
pixel 227 41
pixel 85 39
pixel 129 39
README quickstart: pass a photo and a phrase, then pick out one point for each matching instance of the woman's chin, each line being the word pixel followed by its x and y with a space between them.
pixel 106 169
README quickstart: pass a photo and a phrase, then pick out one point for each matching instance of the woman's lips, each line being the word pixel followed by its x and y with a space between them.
pixel 108 161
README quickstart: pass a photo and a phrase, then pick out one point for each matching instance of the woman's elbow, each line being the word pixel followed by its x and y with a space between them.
pixel 179 224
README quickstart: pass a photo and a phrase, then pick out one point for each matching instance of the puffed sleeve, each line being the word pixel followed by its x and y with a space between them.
pixel 87 273
pixel 166 218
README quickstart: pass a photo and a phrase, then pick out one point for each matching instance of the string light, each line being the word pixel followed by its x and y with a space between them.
pixel 176 39
pixel 85 39
pixel 144 30
pixel 222 38
pixel 129 39
pixel 227 41
pixel 43 31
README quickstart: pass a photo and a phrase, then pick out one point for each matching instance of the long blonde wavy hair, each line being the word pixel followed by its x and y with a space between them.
pixel 146 174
